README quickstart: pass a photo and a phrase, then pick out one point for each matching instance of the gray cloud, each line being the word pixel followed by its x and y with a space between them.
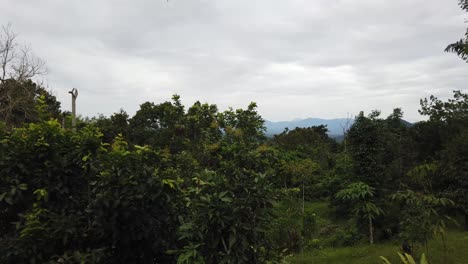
pixel 294 58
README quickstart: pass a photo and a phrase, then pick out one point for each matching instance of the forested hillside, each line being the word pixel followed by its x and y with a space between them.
pixel 177 184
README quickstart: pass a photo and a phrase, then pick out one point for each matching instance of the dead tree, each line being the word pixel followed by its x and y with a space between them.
pixel 17 61
pixel 18 66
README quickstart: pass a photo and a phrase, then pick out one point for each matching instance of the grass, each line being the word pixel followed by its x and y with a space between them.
pixel 456 244
pixel 457 252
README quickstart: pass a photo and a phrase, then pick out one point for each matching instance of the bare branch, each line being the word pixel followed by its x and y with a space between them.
pixel 17 62
pixel 27 65
pixel 7 50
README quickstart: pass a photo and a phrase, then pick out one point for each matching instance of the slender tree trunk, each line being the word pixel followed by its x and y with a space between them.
pixel 427 248
pixel 303 212
pixel 400 165
pixel 466 220
pixel 303 198
pixel 344 141
pixel 444 244
pixel 371 231
pixel 465 209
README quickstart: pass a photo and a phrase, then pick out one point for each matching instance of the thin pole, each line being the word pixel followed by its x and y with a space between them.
pixel 74 93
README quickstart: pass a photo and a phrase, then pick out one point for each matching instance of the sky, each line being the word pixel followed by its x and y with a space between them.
pixel 294 58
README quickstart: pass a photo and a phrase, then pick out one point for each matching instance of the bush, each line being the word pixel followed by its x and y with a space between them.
pixel 314 243
pixel 75 198
pixel 342 236
pixel 309 224
pixel 286 228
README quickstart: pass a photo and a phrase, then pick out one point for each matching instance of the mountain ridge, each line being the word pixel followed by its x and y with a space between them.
pixel 335 125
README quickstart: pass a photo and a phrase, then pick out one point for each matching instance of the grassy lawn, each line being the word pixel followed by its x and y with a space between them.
pixel 456 243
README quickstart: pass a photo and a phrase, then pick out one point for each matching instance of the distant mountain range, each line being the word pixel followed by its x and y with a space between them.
pixel 335 126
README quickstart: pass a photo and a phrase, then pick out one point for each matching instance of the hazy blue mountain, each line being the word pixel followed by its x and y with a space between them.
pixel 334 126
pixel 406 123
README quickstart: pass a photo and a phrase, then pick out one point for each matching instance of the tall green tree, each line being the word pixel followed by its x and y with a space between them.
pixel 117 123
pixel 229 204
pixel 310 142
pixel 450 120
pixel 160 125
pixel 366 139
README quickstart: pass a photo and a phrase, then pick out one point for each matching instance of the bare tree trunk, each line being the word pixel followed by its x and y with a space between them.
pixel 371 231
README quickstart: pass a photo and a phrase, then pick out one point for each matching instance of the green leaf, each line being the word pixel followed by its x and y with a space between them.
pixel 86 157
pixel 385 260
pixel 8 200
pixel 410 259
pixel 423 259
pixel 403 259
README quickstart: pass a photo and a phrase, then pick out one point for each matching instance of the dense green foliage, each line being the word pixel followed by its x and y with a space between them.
pixel 202 186
pixel 203 194
pixel 197 185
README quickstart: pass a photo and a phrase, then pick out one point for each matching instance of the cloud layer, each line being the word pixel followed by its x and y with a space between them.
pixel 295 58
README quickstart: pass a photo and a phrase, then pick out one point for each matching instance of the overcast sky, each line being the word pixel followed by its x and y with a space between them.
pixel 295 58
